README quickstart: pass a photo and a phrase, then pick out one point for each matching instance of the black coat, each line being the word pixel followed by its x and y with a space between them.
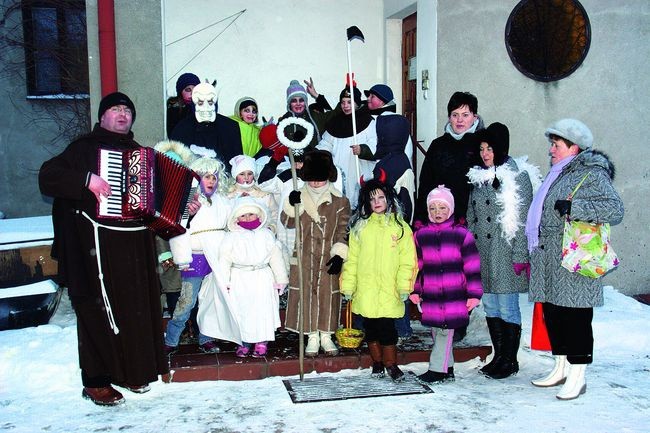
pixel 222 136
pixel 446 163
pixel 134 355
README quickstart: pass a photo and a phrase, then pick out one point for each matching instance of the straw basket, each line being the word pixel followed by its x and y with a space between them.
pixel 348 337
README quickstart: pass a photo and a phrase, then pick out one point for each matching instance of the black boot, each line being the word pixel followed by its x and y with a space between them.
pixel 509 364
pixel 495 326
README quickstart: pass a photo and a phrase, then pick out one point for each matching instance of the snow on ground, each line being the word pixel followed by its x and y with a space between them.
pixel 40 391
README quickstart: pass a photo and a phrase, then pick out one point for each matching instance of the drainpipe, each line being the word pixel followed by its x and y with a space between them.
pixel 107 50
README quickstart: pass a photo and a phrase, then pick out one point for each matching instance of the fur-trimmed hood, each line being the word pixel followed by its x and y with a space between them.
pixel 178 148
pixel 596 158
pixel 244 205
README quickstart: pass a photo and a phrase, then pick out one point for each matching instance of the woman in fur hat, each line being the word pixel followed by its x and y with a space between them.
pixel 498 203
pixel 324 213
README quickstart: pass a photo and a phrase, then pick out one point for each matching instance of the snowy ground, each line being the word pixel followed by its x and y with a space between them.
pixel 40 391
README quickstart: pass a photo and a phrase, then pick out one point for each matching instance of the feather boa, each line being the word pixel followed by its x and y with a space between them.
pixel 507 196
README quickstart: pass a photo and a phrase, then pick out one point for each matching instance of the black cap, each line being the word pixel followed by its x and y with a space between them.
pixel 113 99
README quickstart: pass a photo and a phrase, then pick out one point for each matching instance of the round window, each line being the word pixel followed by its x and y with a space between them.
pixel 548 40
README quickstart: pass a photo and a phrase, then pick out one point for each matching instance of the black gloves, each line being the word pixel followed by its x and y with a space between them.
pixel 268 172
pixel 294 198
pixel 335 265
pixel 563 207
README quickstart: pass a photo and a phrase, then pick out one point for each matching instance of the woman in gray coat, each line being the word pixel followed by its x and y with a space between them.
pixel 568 298
pixel 498 203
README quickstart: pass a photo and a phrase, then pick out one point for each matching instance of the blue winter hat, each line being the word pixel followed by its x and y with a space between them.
pixel 186 79
pixel 381 91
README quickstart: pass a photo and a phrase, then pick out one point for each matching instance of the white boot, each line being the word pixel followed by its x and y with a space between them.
pixel 575 383
pixel 313 344
pixel 557 376
pixel 327 344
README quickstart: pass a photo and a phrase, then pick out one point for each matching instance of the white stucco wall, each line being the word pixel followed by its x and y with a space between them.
pixel 272 43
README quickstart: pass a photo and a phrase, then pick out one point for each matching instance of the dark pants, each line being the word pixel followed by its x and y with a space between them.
pixel 570 333
pixel 381 329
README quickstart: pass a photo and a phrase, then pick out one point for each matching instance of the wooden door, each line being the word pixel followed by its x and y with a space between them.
pixel 409 86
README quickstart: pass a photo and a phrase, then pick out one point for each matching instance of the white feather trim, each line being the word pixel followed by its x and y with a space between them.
pixel 507 196
pixel 533 171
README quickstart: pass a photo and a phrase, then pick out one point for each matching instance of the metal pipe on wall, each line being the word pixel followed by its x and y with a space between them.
pixel 107 47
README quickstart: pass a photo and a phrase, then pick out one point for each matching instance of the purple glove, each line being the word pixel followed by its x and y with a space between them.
pixel 520 267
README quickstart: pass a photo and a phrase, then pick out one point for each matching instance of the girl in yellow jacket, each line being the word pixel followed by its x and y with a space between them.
pixel 379 272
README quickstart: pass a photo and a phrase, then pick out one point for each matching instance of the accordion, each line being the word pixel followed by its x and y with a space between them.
pixel 146 186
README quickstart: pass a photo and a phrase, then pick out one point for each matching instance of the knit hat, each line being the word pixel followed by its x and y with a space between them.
pixel 295 89
pixel 573 130
pixel 240 164
pixel 186 79
pixel 345 93
pixel 318 166
pixel 113 99
pixel 498 137
pixel 269 136
pixel 381 91
pixel 442 194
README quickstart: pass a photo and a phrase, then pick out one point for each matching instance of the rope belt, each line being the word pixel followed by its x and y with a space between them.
pixel 250 267
pixel 205 231
pixel 96 225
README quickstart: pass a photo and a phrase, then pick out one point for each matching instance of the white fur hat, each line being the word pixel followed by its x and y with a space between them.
pixel 206 165
pixel 241 163
pixel 573 130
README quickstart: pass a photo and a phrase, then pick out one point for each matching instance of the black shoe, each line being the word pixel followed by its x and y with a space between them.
pixel 377 370
pixel 209 347
pixel 169 350
pixel 431 377
pixel 395 373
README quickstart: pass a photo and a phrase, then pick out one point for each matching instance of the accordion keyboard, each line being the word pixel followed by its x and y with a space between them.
pixel 112 171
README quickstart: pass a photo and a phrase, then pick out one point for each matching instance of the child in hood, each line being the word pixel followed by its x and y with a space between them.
pixel 253 270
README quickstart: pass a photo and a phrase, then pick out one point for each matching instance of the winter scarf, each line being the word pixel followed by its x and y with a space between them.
pixel 535 211
pixel 471 130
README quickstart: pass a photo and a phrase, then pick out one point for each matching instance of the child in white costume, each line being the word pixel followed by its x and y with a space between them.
pixel 253 270
pixel 245 177
pixel 192 251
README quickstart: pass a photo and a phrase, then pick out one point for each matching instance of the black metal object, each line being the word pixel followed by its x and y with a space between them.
pixel 316 389
pixel 31 310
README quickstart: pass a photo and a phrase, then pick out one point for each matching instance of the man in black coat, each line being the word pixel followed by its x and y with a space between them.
pixel 108 266
pixel 209 129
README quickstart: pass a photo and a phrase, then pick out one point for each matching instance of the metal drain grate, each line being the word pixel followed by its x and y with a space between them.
pixel 341 388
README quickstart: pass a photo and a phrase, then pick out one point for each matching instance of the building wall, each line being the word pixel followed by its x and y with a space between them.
pixel 28 134
pixel 609 92
pixel 270 44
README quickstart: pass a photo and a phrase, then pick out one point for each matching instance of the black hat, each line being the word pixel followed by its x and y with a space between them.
pixel 318 166
pixel 345 93
pixel 498 137
pixel 113 99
